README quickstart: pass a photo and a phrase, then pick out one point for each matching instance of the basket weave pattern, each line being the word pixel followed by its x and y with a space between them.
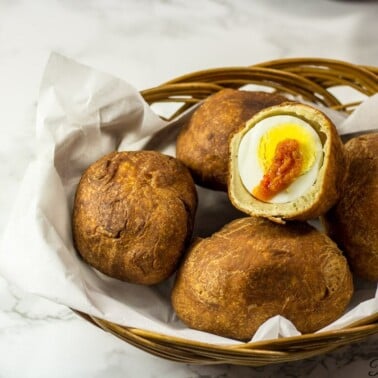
pixel 313 80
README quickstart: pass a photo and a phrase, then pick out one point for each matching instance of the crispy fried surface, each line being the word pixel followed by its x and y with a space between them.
pixel 253 269
pixel 353 222
pixel 133 214
pixel 202 144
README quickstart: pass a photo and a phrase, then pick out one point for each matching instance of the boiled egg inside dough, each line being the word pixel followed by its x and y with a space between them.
pixel 258 149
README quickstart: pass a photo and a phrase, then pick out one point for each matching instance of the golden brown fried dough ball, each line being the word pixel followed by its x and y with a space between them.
pixel 133 215
pixel 253 269
pixel 202 144
pixel 353 222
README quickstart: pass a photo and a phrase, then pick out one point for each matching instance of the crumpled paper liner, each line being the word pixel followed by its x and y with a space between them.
pixel 82 115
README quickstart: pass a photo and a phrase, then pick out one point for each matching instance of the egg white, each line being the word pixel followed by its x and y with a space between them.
pixel 250 170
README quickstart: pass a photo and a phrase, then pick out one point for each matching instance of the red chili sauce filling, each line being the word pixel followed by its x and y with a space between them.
pixel 284 169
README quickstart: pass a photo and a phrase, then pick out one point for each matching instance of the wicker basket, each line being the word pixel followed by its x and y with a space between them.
pixel 314 80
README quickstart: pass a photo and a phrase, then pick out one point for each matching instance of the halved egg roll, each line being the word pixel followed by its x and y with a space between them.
pixel 286 163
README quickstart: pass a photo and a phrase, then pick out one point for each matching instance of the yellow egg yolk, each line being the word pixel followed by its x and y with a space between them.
pixel 285 152
pixel 270 140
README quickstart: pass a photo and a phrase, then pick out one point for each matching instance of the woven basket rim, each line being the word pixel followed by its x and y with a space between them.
pixel 360 77
pixel 308 77
pixel 368 323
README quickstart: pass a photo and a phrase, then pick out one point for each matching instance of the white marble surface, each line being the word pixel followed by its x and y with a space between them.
pixel 146 43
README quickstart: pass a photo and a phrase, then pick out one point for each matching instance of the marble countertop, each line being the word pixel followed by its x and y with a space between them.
pixel 146 43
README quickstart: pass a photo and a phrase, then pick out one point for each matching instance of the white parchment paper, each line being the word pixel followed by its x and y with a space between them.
pixel 83 114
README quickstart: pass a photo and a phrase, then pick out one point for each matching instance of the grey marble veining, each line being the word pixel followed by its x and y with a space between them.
pixel 148 42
